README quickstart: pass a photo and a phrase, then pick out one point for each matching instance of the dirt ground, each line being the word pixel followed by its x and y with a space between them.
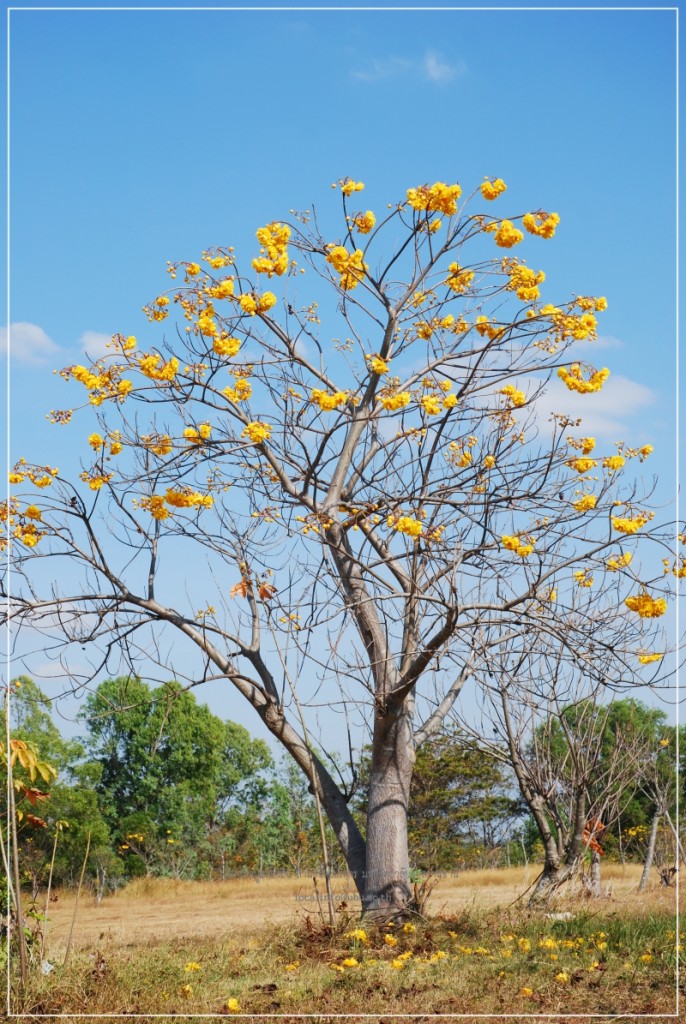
pixel 153 910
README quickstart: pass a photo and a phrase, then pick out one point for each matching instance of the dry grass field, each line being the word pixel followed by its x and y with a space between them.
pixel 246 947
pixel 153 910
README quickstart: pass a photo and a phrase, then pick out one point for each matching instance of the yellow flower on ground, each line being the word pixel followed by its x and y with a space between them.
pixel 293 966
pixel 526 992
pixel 390 940
pixel 233 1006
pixel 562 977
pixel 351 961
pixel 409 928
pixel 186 990
pixel 192 965
pixel 359 934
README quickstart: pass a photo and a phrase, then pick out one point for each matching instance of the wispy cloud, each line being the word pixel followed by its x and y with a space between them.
pixel 610 414
pixel 433 66
pixel 28 343
pixel 94 345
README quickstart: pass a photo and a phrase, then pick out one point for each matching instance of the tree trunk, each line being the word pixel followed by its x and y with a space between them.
pixel 387 887
pixel 650 852
pixel 596 888
pixel 554 874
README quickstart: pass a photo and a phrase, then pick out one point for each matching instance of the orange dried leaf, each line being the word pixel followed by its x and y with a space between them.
pixel 266 591
pixel 240 589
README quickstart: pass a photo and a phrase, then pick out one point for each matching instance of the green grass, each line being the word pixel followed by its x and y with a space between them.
pixel 474 962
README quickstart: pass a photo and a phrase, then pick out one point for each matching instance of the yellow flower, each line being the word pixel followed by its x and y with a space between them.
pixel 526 992
pixel 233 1006
pixel 328 401
pixel 192 965
pixel 613 462
pixel 223 289
pixel 186 990
pixel 623 525
pixel 562 977
pixel 396 401
pixel 518 398
pixel 438 198
pixel 431 405
pixel 257 432
pixel 348 186
pixel 541 224
pixel 646 606
pixel 292 967
pixel 350 961
pixel 95 441
pixel 581 465
pixel 646 958
pixel 646 659
pixel 524 945
pixel 587 502
pixel 350 266
pixel 390 940
pixel 16 478
pixel 489 462
pixel 226 346
pixel 575 382
pixel 409 928
pixel 508 235
pixel 406 524
pixel 359 934
pixel 33 512
pixel 378 365
pixel 493 189
pixel 449 402
pixel 615 564
pixel 364 222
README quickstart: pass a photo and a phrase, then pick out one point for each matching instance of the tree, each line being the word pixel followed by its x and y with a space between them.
pixel 168 770
pixel 367 467
pixel 577 762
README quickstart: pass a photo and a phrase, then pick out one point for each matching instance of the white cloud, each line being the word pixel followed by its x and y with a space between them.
pixel 437 69
pixel 28 343
pixel 94 345
pixel 607 413
pixel 433 67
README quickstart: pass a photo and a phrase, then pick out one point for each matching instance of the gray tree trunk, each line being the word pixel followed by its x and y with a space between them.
pixel 650 852
pixel 596 888
pixel 387 888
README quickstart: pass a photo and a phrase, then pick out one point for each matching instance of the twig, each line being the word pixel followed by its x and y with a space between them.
pixel 76 902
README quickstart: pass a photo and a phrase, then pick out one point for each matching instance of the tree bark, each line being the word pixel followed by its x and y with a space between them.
pixel 596 888
pixel 650 852
pixel 387 887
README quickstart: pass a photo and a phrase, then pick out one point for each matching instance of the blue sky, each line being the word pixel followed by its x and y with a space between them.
pixel 142 136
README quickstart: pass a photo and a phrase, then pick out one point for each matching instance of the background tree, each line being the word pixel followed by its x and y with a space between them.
pixel 168 770
pixel 577 762
pixel 366 463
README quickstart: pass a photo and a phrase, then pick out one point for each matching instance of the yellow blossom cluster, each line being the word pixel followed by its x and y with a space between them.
pixel 618 562
pixel 459 453
pixel 199 434
pixel 253 304
pixel 257 432
pixel 157 310
pixel 459 280
pixel 394 400
pixel 102 382
pixel 111 443
pixel 240 392
pixel 486 329
pixel 219 259
pixel 350 266
pixel 436 198
pixel 186 497
pixel 516 397
pixel 541 223
pixel 647 658
pixel 328 400
pixel 224 345
pixel 378 365
pixel 523 281
pixel 273 258
pixel 614 462
pixel 633 525
pixel 522 547
pixel 348 186
pixel 492 189
pixel 586 503
pixel 581 465
pixel 96 480
pixel 506 234
pixel 585 445
pixel 159 444
pixel 646 606
pixel 405 524
pixel 40 476
pixel 223 289
pixel 154 367
pixel 364 222
pixel 575 382
pixel 583 578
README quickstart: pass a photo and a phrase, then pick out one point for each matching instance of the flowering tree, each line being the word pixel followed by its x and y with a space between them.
pixel 355 485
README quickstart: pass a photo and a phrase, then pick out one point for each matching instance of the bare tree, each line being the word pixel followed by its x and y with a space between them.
pixel 335 496
pixel 577 761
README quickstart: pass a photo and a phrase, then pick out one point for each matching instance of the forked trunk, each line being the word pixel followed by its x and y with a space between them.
pixel 387 887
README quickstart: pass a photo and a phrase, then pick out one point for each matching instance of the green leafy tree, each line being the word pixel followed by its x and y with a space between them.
pixel 168 771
